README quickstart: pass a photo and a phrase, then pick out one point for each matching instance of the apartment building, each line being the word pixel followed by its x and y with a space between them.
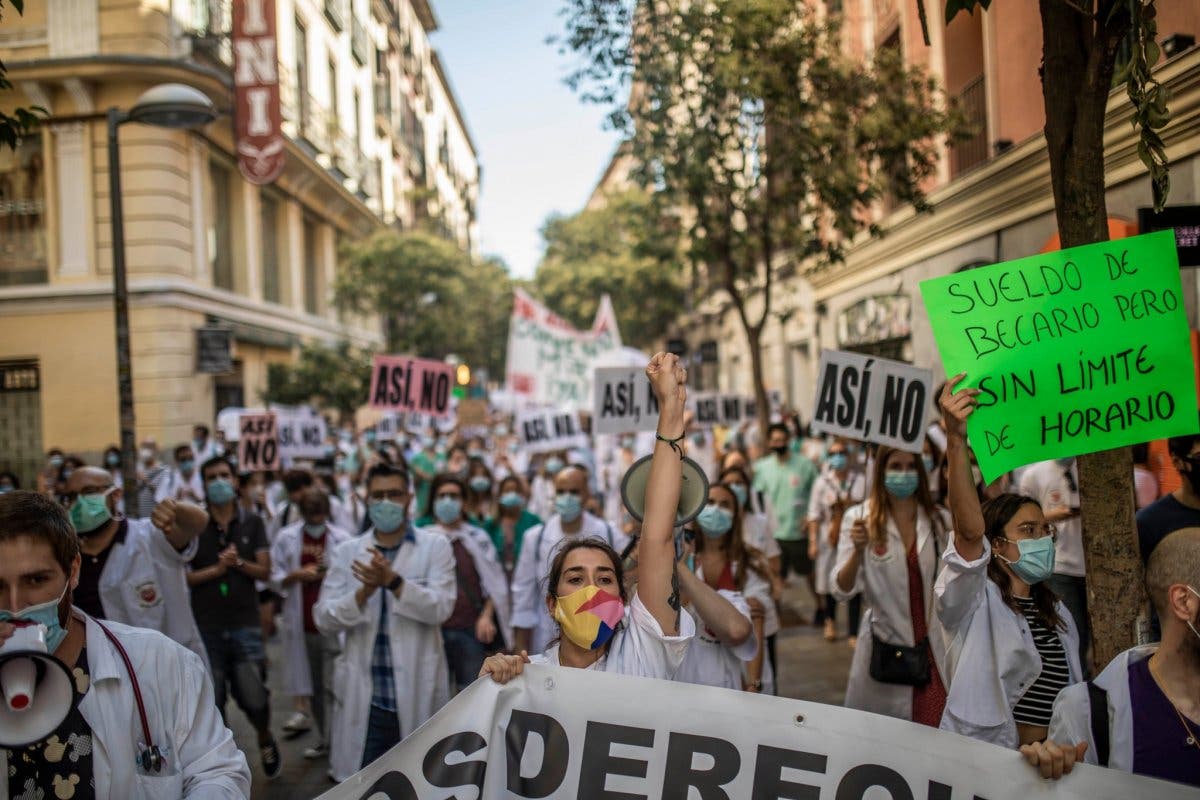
pixel 360 88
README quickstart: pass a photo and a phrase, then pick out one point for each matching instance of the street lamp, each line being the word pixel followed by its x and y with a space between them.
pixel 168 105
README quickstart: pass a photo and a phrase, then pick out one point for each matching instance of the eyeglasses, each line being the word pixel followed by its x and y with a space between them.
pixel 1032 530
pixel 388 494
pixel 68 498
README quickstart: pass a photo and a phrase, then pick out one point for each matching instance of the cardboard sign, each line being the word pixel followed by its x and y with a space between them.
pixel 873 400
pixel 472 412
pixel 1074 351
pixel 402 383
pixel 547 430
pixel 258 443
pixel 577 733
pixel 623 401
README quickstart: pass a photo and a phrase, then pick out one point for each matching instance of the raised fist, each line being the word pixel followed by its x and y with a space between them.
pixel 668 379
pixel 163 516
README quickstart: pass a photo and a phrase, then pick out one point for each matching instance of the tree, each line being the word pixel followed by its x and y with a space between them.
pixel 749 124
pixel 21 121
pixel 336 377
pixel 432 299
pixel 624 249
pixel 1081 40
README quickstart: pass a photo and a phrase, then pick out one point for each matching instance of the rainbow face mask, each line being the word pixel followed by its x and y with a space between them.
pixel 589 616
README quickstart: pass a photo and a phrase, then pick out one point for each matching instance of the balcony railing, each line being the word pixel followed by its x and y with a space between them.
pixel 335 12
pixel 208 23
pixel 383 103
pixel 972 100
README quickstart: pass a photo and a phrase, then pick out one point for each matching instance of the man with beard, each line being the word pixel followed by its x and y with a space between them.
pixel 1142 713
pixel 105 748
pixel 134 571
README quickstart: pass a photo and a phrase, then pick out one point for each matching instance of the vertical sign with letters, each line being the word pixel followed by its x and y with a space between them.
pixel 258 444
pixel 257 118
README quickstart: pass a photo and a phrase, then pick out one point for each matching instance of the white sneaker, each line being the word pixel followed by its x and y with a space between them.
pixel 299 723
pixel 318 750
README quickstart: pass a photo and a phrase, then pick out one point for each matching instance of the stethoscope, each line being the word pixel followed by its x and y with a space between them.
pixel 151 758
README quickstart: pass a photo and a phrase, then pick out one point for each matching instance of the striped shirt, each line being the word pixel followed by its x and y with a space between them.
pixel 1035 705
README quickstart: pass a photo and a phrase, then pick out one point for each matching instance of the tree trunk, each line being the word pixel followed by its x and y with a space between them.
pixel 1077 72
pixel 754 340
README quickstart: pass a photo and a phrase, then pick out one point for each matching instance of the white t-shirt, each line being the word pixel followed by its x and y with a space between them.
pixel 708 661
pixel 1055 487
pixel 639 647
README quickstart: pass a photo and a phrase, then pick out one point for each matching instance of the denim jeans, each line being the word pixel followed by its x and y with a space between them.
pixel 465 655
pixel 238 661
pixel 383 733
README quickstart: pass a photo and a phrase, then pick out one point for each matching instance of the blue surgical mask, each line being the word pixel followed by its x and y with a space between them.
pixel 715 521
pixel 370 437
pixel 739 491
pixel 386 516
pixel 90 511
pixel 220 491
pixel 929 465
pixel 447 509
pixel 553 465
pixel 512 500
pixel 187 466
pixel 838 460
pixel 43 614
pixel 314 531
pixel 474 452
pixel 900 485
pixel 113 459
pixel 1036 562
pixel 480 483
pixel 6 488
pixel 568 506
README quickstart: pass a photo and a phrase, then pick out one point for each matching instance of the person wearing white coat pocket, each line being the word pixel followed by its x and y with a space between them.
pixel 1011 643
pixel 888 550
pixel 388 591
pixel 299 559
pixel 97 750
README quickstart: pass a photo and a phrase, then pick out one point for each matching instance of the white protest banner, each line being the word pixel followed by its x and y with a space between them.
pixel 302 431
pixel 404 383
pixel 623 401
pixel 549 429
pixel 873 399
pixel 708 408
pixel 549 361
pixel 561 732
pixel 258 443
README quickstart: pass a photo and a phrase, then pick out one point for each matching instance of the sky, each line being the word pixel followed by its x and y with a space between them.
pixel 540 148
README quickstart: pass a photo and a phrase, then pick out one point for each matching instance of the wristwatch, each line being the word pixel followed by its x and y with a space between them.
pixel 395 583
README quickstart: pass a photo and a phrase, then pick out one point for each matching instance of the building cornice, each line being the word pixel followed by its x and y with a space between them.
pixel 424 12
pixel 179 293
pixel 452 99
pixel 1012 188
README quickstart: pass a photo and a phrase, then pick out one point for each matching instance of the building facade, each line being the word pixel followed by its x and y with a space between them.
pixel 992 197
pixel 360 87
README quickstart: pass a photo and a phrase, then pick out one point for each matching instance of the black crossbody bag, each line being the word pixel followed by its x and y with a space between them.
pixel 900 663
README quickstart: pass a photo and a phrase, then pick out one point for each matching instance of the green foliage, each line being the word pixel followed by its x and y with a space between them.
pixel 1136 20
pixel 623 249
pixel 336 377
pixel 432 299
pixel 21 121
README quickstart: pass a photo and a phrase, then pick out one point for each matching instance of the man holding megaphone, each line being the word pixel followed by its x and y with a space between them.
pixel 91 709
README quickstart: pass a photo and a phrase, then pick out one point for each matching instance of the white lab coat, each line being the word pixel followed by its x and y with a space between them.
pixel 1072 720
pixel 990 656
pixel 144 583
pixel 177 487
pixel 711 662
pixel 538 548
pixel 487 564
pixel 202 759
pixel 285 558
pixel 826 491
pixel 883 580
pixel 414 628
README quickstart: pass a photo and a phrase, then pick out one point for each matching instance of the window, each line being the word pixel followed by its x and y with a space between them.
pixel 220 226
pixel 311 269
pixel 302 73
pixel 269 213
pixel 23 213
pixel 357 129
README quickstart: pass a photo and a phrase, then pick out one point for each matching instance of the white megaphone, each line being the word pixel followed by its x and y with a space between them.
pixel 36 693
pixel 693 491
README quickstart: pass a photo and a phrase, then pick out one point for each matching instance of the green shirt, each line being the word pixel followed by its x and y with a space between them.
pixel 787 486
pixel 426 463
pixel 526 521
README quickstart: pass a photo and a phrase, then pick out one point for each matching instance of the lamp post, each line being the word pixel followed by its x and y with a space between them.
pixel 168 105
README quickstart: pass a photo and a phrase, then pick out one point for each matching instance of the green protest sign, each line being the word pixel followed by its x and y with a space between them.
pixel 1074 351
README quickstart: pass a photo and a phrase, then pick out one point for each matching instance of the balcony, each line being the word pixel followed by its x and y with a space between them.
pixel 971 152
pixel 336 13
pixel 383 104
pixel 359 43
pixel 316 124
pixel 208 23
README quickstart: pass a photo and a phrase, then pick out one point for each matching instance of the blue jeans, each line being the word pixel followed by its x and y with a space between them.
pixel 383 733
pixel 239 661
pixel 465 655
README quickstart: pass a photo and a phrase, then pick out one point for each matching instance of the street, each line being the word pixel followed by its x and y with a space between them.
pixel 810 668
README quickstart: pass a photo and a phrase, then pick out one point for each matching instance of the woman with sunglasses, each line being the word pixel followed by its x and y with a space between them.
pixel 1011 644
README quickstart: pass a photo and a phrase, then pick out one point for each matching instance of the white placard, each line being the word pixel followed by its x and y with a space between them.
pixel 873 399
pixel 546 430
pixel 624 401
